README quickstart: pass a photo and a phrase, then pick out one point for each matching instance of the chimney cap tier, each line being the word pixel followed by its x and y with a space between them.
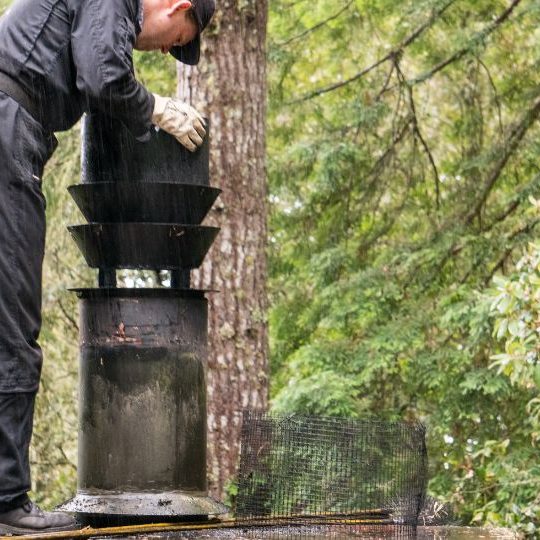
pixel 110 153
pixel 173 504
pixel 129 292
pixel 151 246
pixel 144 202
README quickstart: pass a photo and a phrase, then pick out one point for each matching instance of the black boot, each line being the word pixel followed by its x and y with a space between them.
pixel 29 518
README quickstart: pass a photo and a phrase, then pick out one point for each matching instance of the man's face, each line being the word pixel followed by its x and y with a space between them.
pixel 166 23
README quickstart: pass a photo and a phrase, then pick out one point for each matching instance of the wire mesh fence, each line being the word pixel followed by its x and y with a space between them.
pixel 349 477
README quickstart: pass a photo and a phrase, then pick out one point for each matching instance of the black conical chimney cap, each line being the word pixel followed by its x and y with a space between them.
pixel 144 202
pixel 143 245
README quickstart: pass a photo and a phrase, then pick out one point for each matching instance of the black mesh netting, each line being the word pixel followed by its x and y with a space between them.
pixel 363 475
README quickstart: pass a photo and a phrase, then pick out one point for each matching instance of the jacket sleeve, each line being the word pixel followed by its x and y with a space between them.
pixel 103 35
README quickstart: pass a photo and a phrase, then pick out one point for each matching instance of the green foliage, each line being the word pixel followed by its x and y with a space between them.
pixel 516 304
pixel 323 393
pixel 397 193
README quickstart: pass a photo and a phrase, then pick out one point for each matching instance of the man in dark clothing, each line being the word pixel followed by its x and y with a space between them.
pixel 59 58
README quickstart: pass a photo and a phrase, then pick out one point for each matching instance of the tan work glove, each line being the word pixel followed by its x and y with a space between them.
pixel 179 119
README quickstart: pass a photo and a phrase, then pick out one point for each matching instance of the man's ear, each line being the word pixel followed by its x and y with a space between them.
pixel 178 5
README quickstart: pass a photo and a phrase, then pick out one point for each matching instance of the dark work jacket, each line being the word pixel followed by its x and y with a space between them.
pixel 75 55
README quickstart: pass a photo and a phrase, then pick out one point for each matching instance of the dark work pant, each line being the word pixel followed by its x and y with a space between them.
pixel 16 416
pixel 24 149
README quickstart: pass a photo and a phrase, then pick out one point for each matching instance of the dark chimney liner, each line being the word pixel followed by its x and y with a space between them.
pixel 143 352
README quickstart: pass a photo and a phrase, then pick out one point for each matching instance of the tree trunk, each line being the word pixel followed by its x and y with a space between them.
pixel 229 87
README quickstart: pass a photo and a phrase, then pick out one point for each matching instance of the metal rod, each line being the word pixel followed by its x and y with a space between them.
pixel 107 278
pixel 171 527
pixel 180 279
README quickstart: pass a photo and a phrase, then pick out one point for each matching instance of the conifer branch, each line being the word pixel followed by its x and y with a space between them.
pixel 386 82
pixel 499 265
pixel 66 461
pixel 516 201
pixel 477 38
pixel 419 136
pixel 433 165
pixel 67 315
pixel 392 217
pixel 495 94
pixel 396 51
pixel 383 159
pixel 315 27
pixel 505 151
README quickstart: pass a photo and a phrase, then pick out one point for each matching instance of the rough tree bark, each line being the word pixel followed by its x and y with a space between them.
pixel 229 86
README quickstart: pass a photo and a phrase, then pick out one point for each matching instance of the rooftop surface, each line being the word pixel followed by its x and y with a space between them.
pixel 160 532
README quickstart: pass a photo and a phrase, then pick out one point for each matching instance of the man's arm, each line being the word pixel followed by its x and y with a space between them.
pixel 102 39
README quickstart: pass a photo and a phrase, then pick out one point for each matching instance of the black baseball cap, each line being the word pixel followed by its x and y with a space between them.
pixel 191 52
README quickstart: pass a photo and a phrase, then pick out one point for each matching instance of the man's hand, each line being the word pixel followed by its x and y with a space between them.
pixel 180 120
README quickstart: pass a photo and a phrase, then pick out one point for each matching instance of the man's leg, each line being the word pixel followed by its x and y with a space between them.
pixel 24 149
pixel 16 417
